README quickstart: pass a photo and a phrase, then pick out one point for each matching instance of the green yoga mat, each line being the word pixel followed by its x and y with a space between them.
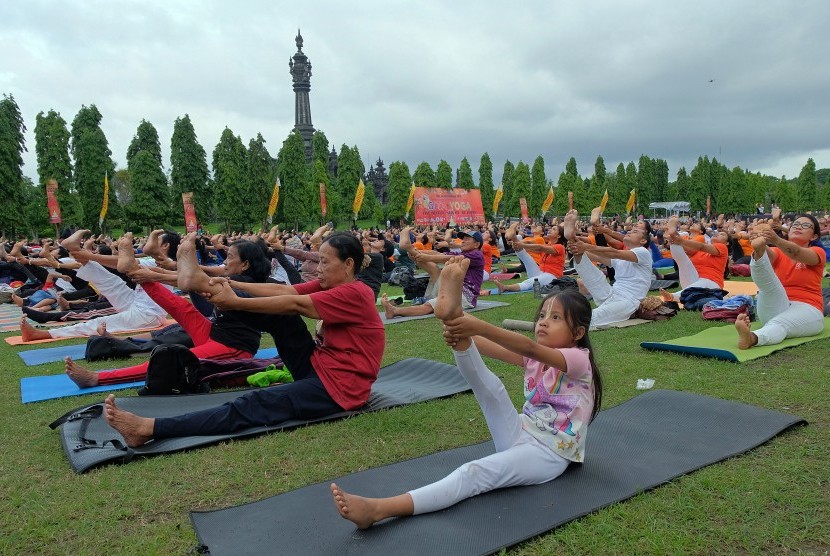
pixel 721 342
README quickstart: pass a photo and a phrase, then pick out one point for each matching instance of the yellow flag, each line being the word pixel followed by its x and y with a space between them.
pixel 497 199
pixel 411 199
pixel 604 202
pixel 275 198
pixel 629 206
pixel 106 204
pixel 358 198
pixel 548 200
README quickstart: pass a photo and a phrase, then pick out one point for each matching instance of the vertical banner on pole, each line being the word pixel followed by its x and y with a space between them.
pixel 190 222
pixel 523 207
pixel 275 199
pixel 323 206
pixel 548 200
pixel 105 203
pixel 52 202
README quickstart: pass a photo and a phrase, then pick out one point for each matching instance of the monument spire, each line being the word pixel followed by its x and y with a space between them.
pixel 300 69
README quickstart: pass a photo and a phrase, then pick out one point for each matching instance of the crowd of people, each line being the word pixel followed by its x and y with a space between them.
pixel 243 285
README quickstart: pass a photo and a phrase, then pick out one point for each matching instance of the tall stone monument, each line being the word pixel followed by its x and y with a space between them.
pixel 300 69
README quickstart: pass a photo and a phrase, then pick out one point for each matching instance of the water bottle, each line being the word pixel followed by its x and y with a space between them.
pixel 537 288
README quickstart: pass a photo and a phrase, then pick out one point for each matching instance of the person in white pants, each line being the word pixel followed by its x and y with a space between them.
pixel 563 390
pixel 699 265
pixel 788 275
pixel 632 272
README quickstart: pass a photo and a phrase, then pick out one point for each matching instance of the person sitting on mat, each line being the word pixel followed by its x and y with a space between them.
pixel 551 261
pixel 632 271
pixel 225 336
pixel 428 260
pixel 699 264
pixel 329 378
pixel 788 275
pixel 563 393
pixel 135 308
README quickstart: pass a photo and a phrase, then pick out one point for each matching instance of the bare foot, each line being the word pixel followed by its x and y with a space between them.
pixel 388 307
pixel 126 256
pixel 101 329
pixel 135 430
pixel 499 285
pixel 510 234
pixel 63 304
pixel 73 242
pixel 746 338
pixel 671 226
pixel 89 244
pixel 357 509
pixel 596 213
pixel 666 296
pixel 190 276
pixel 81 376
pixel 449 291
pixel 29 332
pixel 152 247
pixel 17 300
pixel 569 224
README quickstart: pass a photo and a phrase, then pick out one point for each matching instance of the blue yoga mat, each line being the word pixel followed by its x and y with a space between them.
pixel 50 387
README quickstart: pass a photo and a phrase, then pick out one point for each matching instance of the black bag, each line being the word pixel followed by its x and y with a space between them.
pixel 399 274
pixel 415 287
pixel 107 347
pixel 559 284
pixel 693 299
pixel 173 369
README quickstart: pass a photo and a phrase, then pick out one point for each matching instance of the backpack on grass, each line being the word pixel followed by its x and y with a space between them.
pixel 172 369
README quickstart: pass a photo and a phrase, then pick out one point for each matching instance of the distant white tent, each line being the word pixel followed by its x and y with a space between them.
pixel 671 207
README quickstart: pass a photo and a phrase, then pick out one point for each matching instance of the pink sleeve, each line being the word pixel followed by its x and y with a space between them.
pixel 579 363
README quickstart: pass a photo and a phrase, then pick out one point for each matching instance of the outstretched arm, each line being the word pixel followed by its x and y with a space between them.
pixel 277 305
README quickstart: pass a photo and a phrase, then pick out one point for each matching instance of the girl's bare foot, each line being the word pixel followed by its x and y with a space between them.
pixel 569 224
pixel 746 338
pixel 17 300
pixel 81 376
pixel 357 509
pixel 596 213
pixel 448 305
pixel 135 430
pixel 74 242
pixel 388 307
pixel 29 332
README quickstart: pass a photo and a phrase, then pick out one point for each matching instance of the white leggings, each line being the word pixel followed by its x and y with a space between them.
pixel 533 272
pixel 131 316
pixel 689 278
pixel 520 459
pixel 612 306
pixel 782 318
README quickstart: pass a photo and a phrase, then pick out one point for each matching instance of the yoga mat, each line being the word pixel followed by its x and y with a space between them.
pixel 665 284
pixel 735 287
pixel 405 382
pixel 636 446
pixel 18 340
pixel 50 387
pixel 481 306
pixel 505 275
pixel 10 317
pixel 721 342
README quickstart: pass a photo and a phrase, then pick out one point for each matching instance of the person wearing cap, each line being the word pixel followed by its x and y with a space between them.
pixel 551 263
pixel 471 242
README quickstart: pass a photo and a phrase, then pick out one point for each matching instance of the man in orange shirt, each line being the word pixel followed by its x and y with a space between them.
pixel 700 265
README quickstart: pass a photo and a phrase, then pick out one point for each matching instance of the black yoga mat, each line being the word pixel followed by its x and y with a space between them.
pixel 633 447
pixel 89 441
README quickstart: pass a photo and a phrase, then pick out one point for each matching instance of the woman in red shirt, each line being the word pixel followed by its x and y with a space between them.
pixel 788 275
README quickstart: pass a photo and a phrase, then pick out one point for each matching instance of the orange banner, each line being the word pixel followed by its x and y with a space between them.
pixel 190 222
pixel 323 206
pixel 440 206
pixel 52 202
pixel 523 207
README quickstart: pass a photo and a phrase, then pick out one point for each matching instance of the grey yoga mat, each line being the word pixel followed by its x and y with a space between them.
pixel 632 447
pixel 89 441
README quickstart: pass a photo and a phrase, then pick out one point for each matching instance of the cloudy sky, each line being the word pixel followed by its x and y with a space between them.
pixel 745 81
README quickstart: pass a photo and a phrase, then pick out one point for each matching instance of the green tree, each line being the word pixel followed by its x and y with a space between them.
pixel 507 188
pixel 538 186
pixel 293 207
pixel 53 162
pixel 662 173
pixel 698 188
pixel 424 176
pixel 520 189
pixel 150 204
pixel 146 138
pixel 785 195
pixel 400 183
pixel 443 175
pixel 677 191
pixel 807 188
pixel 35 215
pixel 320 148
pixel 600 172
pixel 350 170
pixel 618 193
pixel 261 177
pixel 485 184
pixel 230 182
pixel 189 170
pixel 465 175
pixel 12 147
pixel 564 185
pixel 92 156
pixel 646 182
pixel 631 180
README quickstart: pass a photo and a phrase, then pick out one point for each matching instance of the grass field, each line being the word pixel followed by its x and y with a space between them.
pixel 776 499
